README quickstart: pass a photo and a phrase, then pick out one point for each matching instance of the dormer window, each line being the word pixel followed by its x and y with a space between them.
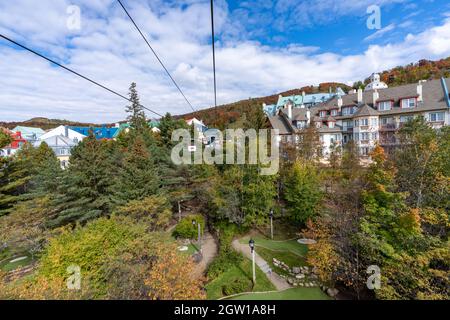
pixel 348 111
pixel 334 112
pixel 384 105
pixel 331 124
pixel 409 103
pixel 323 113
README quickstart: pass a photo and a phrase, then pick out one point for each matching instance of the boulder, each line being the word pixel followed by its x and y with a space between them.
pixel 300 276
pixel 332 292
pixel 296 270
pixel 197 257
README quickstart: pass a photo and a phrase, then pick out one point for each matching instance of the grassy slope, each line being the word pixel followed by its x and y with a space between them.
pixel 289 245
pixel 9 266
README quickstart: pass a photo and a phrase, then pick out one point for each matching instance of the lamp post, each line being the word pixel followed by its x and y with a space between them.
pixel 199 234
pixel 251 243
pixel 271 223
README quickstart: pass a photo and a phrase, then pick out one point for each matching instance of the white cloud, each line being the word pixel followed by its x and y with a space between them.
pixel 108 49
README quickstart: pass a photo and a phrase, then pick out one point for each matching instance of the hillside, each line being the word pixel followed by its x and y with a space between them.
pixel 412 73
pixel 46 124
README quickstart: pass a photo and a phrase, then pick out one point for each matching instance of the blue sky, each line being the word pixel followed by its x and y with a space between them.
pixel 263 47
pixel 333 28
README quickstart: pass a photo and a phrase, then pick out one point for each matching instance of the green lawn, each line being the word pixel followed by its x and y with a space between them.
pixel 243 270
pixel 290 294
pixel 9 266
pixel 289 245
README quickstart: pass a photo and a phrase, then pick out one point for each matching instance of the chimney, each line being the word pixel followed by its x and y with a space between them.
pixel 264 105
pixel 66 131
pixel 303 94
pixel 376 96
pixel 420 91
pixel 308 117
pixel 289 106
pixel 340 102
pixel 360 95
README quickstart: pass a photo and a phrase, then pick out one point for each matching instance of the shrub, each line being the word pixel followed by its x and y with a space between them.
pixel 185 229
pixel 227 257
pixel 237 285
pixel 223 262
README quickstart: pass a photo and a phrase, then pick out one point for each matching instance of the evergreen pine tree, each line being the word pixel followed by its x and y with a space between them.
pixel 86 187
pixel 138 177
pixel 136 117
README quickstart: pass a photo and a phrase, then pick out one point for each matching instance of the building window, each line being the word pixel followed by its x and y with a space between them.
pixel 408 103
pixel 348 110
pixel 374 122
pixel 385 105
pixel 386 121
pixel 334 112
pixel 404 119
pixel 300 124
pixel 374 136
pixel 365 151
pixel 331 124
pixel 362 122
pixel 364 136
pixel 347 124
pixel 323 114
pixel 437 116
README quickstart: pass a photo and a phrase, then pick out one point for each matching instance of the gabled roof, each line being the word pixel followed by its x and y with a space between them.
pixel 29 130
pixel 57 141
pixel 365 111
pixel 279 123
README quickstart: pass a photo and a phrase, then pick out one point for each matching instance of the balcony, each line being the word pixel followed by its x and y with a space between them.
pixel 347 129
pixel 389 127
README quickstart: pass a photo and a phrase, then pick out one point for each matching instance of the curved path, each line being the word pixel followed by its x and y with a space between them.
pixel 209 250
pixel 277 281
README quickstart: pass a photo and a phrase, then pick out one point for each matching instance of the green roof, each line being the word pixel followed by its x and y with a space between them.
pixel 29 130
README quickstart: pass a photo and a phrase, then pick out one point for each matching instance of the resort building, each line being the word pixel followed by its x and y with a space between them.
pixel 300 101
pixel 61 140
pixel 100 133
pixel 368 117
pixel 17 142
pixel 62 147
pixel 30 134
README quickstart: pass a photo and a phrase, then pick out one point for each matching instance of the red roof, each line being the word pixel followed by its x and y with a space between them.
pixel 18 141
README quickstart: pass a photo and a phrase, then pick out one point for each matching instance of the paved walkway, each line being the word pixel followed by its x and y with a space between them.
pixel 209 248
pixel 277 281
